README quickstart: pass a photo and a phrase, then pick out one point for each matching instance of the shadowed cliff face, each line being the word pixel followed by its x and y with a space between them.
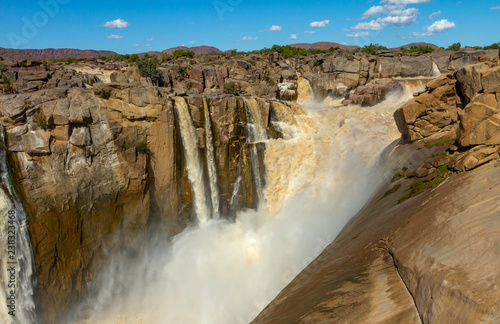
pixel 97 169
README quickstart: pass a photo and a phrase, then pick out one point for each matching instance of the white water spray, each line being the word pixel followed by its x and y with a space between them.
pixel 227 272
pixel 194 163
pixel 17 266
pixel 212 170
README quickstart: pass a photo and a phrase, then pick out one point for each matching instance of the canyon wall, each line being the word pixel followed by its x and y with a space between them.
pixel 98 169
pixel 97 152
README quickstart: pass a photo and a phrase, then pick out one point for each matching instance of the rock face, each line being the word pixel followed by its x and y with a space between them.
pixel 438 108
pixel 416 255
pixel 330 75
pixel 372 93
pixel 431 111
pixel 98 168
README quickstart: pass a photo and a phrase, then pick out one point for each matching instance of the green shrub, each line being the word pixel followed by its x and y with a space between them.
pixel 148 67
pixel 3 68
pixel 164 57
pixel 372 48
pixel 180 53
pixel 142 148
pixel 7 84
pixel 134 58
pixel 493 46
pixel 441 142
pixel 455 47
pixel 40 120
pixel 413 49
pixel 181 73
pixel 232 88
pixel 268 80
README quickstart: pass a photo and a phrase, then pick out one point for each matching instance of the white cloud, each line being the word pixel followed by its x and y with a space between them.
pixel 319 24
pixel 434 14
pixel 372 25
pixel 293 36
pixel 193 42
pixel 310 32
pixel 374 11
pixel 149 39
pixel 118 23
pixel 399 21
pixel 362 34
pixel 418 35
pixel 136 45
pixel 495 8
pixel 115 36
pixel 249 38
pixel 397 17
pixel 274 28
pixel 440 26
pixel 405 2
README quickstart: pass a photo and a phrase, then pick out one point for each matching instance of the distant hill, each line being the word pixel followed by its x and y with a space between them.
pixel 196 49
pixel 324 46
pixel 50 53
pixel 408 46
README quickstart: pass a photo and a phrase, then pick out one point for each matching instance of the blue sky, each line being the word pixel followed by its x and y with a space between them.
pixel 135 26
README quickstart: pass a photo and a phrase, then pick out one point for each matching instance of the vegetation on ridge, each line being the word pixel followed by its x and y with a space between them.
pixel 148 67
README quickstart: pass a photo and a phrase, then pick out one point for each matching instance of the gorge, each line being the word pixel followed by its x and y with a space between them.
pixel 183 204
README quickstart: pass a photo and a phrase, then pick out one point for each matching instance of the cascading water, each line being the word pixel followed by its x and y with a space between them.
pixel 194 163
pixel 305 92
pixel 227 272
pixel 256 133
pixel 435 70
pixel 17 272
pixel 282 117
pixel 212 170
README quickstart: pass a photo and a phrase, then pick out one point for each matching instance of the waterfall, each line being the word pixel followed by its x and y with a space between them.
pixel 17 272
pixel 305 92
pixel 435 70
pixel 411 86
pixel 212 169
pixel 282 117
pixel 226 272
pixel 256 133
pixel 194 163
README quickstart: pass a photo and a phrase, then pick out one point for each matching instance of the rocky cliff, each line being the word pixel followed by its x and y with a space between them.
pixel 97 167
pixel 424 250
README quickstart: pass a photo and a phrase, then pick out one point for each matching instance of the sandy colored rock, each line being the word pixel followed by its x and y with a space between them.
pixel 491 80
pixel 480 122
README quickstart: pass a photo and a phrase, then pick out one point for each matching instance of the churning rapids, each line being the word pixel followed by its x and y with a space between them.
pixel 318 176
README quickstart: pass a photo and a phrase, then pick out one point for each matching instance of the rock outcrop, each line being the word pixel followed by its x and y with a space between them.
pixel 97 169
